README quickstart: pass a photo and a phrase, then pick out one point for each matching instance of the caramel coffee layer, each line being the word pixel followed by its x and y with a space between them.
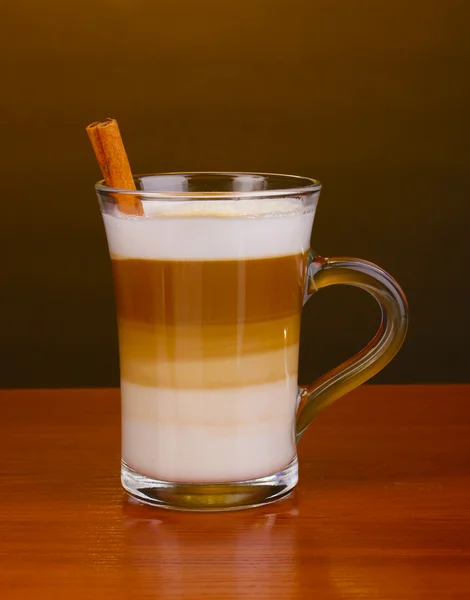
pixel 208 292
pixel 139 341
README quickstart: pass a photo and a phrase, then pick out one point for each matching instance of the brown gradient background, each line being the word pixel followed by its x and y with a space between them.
pixel 370 97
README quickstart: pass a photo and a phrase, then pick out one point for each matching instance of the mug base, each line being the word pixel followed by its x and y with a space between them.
pixel 204 497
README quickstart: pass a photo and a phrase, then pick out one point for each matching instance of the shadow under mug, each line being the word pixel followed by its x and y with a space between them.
pixel 211 271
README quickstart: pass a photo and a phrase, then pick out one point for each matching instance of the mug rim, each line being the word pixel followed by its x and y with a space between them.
pixel 296 185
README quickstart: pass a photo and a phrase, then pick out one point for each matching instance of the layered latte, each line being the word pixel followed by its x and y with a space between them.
pixel 209 296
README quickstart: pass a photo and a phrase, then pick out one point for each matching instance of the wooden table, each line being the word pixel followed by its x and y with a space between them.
pixel 382 510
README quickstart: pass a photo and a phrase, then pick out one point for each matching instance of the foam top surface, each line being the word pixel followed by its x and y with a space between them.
pixel 211 230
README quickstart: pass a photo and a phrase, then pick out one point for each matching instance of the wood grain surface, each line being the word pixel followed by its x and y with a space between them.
pixel 382 510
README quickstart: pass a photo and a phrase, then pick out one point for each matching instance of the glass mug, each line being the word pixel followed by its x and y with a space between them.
pixel 211 271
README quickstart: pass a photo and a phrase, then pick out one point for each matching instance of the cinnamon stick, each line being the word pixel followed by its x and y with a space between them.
pixel 109 149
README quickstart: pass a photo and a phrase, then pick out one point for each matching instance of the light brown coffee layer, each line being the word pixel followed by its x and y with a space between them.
pixel 179 342
pixel 231 371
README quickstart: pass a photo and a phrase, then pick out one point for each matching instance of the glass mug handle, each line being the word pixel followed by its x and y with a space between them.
pixel 323 272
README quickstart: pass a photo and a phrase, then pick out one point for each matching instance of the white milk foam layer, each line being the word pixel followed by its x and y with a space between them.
pixel 215 230
pixel 209 435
